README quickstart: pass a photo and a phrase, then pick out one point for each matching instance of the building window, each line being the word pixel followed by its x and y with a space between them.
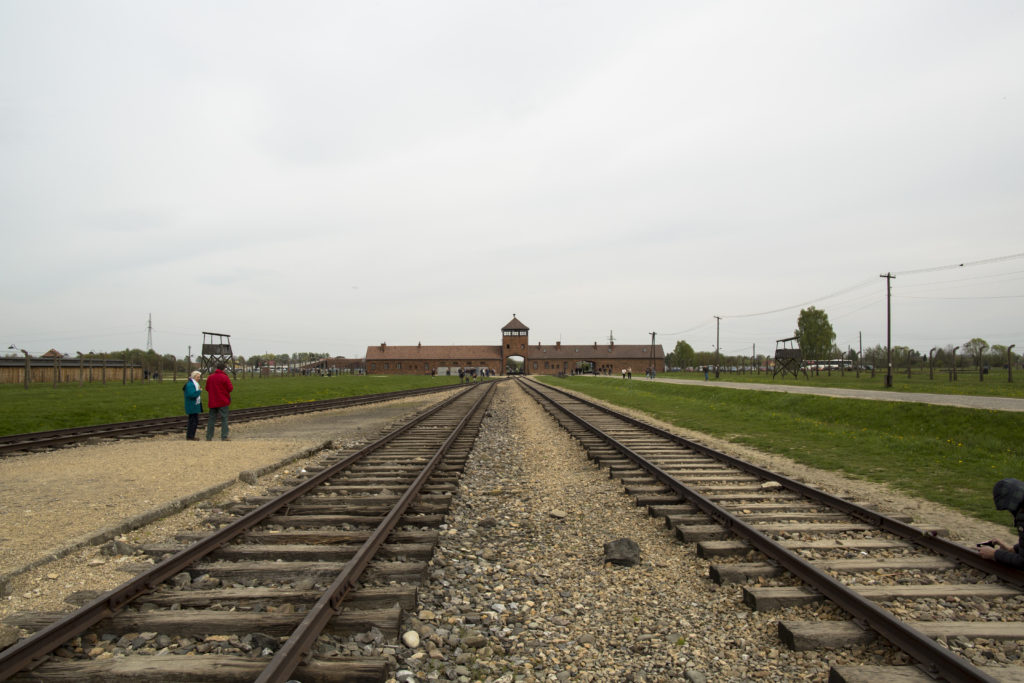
pixel 398 365
pixel 373 366
pixel 534 365
pixel 386 366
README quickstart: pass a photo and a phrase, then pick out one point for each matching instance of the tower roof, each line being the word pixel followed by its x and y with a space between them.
pixel 514 324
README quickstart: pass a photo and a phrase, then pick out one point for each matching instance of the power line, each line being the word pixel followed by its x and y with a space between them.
pixel 821 298
pixel 696 327
pixel 960 298
pixel 997 277
pixel 951 266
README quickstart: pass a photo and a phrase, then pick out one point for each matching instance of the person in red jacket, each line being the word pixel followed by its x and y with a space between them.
pixel 219 387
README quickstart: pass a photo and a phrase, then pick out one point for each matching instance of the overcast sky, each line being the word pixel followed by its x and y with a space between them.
pixel 323 176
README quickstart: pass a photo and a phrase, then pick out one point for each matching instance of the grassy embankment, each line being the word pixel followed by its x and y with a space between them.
pixel 948 455
pixel 43 407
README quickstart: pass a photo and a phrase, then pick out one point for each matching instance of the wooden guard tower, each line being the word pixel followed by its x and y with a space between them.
pixel 216 349
pixel 788 357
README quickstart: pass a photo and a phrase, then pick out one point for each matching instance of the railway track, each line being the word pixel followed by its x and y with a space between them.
pixel 15 443
pixel 286 586
pixel 951 612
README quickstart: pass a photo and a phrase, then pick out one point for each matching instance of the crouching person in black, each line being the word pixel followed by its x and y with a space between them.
pixel 1008 494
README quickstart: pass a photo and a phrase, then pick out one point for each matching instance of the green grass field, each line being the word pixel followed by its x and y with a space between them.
pixel 42 407
pixel 995 383
pixel 948 455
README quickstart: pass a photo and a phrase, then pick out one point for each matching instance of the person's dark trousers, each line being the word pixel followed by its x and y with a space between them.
pixel 223 412
pixel 193 424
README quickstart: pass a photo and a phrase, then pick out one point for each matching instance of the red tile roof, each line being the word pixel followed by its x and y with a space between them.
pixel 425 353
pixel 588 352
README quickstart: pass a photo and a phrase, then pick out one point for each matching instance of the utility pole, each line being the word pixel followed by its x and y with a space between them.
pixel 860 352
pixel 149 333
pixel 611 337
pixel 718 321
pixel 888 327
pixel 652 354
pixel 1009 363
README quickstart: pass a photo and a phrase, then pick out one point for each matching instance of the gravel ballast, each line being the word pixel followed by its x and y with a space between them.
pixel 518 588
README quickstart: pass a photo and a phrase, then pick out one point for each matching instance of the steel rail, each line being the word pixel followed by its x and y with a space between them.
pixel 302 639
pixel 936 660
pixel 58 437
pixel 34 649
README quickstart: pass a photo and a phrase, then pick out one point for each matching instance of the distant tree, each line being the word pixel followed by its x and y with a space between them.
pixel 682 355
pixel 999 355
pixel 976 349
pixel 702 358
pixel 874 355
pixel 816 334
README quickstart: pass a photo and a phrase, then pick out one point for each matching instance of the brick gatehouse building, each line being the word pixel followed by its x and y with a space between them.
pixel 536 359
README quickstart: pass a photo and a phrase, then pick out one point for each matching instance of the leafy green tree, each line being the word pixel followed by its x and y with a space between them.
pixel 682 355
pixel 816 334
pixel 975 349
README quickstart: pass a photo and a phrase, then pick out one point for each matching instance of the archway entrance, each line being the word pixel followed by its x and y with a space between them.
pixel 515 365
pixel 584 367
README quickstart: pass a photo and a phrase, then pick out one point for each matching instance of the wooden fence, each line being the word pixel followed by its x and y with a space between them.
pixel 68 371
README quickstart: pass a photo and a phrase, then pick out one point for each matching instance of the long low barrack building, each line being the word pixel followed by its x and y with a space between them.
pixel 515 354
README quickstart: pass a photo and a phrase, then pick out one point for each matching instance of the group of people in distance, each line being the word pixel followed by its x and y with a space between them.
pixel 218 388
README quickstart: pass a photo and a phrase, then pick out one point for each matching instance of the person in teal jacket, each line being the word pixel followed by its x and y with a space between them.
pixel 193 404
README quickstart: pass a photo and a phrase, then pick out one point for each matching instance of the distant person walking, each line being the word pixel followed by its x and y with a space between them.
pixel 219 387
pixel 193 404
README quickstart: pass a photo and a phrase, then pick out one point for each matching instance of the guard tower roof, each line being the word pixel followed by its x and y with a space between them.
pixel 514 324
